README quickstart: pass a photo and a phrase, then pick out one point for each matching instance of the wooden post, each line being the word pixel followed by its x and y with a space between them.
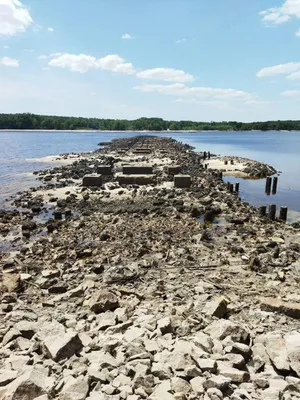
pixel 268 185
pixel 68 213
pixel 274 188
pixel 208 155
pixel 204 155
pixel 231 187
pixel 237 187
pixel 262 211
pixel 228 185
pixel 272 212
pixel 221 175
pixel 205 166
pixel 226 162
pixel 283 213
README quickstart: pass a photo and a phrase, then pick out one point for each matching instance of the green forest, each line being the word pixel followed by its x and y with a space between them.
pixel 49 122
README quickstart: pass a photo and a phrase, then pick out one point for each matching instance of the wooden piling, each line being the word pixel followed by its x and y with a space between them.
pixel 204 155
pixel 274 187
pixel 221 175
pixel 228 185
pixel 226 162
pixel 283 213
pixel 57 214
pixel 208 155
pixel 262 211
pixel 237 187
pixel 268 184
pixel 272 212
pixel 231 187
pixel 205 166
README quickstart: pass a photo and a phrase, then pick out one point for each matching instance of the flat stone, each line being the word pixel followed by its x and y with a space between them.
pixel 106 319
pixel 7 376
pixel 207 364
pixel 277 351
pixel 11 335
pixel 203 341
pixel 162 391
pixel 165 325
pixel 276 305
pixel 234 374
pixel 223 328
pixel 179 385
pixel 133 333
pixel 217 381
pixel 27 328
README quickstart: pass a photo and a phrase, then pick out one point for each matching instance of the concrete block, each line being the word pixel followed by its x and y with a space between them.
pixel 135 179
pixel 104 170
pixel 137 170
pixel 174 170
pixel 142 150
pixel 182 181
pixel 93 180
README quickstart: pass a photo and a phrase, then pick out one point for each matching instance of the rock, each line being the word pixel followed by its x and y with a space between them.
pixel 7 376
pixel 292 344
pixel 223 328
pixel 12 282
pixel 28 386
pixel 106 319
pixel 216 308
pixel 234 374
pixel 12 334
pixel 271 304
pixel 197 385
pixel 58 344
pixel 164 325
pixel 179 385
pixel 241 348
pixel 207 364
pixel 102 301
pixel 275 346
pixel 133 333
pixel 215 394
pixel 217 381
pixel 203 341
pixel 162 391
pixel 75 389
pixel 29 226
pixel 27 328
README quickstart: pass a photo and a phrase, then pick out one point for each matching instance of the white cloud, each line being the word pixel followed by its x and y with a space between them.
pixel 196 91
pixel 9 62
pixel 165 74
pixel 83 63
pixel 14 17
pixel 127 36
pixel 181 40
pixel 50 30
pixel 294 76
pixel 281 14
pixel 6 47
pixel 291 93
pixel 281 69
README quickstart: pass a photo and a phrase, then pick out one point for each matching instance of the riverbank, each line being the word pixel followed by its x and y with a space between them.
pixel 147 291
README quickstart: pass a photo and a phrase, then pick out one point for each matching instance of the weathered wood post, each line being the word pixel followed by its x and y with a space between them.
pixel 272 212
pixel 205 166
pixel 237 187
pixel 274 187
pixel 283 213
pixel 228 185
pixel 226 162
pixel 208 155
pixel 221 175
pixel 262 211
pixel 57 214
pixel 204 155
pixel 231 187
pixel 268 185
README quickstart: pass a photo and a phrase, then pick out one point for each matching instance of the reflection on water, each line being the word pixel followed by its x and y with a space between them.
pixel 279 149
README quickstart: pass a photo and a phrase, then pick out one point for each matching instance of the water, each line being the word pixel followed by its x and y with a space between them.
pixel 279 149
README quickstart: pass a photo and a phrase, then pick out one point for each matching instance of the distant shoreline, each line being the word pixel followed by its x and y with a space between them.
pixel 132 131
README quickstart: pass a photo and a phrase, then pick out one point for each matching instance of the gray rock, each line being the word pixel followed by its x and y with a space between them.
pixel 234 374
pixel 75 389
pixel 102 301
pixel 7 376
pixel 165 325
pixel 217 381
pixel 223 328
pixel 276 349
pixel 207 364
pixel 292 343
pixel 12 334
pixel 105 320
pixel 162 391
pixel 216 308
pixel 197 385
pixel 179 385
pixel 27 328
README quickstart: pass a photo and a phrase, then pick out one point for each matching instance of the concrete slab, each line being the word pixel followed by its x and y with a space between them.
pixel 174 169
pixel 93 180
pixel 104 170
pixel 182 181
pixel 137 170
pixel 135 179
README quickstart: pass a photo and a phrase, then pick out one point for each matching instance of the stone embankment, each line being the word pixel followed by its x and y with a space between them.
pixel 135 294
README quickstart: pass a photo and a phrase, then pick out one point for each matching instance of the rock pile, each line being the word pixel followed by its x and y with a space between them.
pixel 139 296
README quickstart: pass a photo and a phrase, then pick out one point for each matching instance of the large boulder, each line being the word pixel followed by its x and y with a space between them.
pixel 102 301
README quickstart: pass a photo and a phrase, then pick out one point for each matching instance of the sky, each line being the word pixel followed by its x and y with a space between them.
pixel 201 60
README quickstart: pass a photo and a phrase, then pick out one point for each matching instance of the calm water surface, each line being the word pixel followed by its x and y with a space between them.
pixel 279 149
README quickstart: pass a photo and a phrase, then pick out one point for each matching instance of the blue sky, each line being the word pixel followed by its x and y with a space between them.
pixel 176 59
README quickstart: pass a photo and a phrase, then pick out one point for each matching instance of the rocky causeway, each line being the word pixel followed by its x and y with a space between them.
pixel 133 273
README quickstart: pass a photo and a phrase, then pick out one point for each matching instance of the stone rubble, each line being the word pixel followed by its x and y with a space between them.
pixel 138 295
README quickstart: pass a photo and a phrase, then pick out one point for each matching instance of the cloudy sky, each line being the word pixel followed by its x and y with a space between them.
pixel 175 59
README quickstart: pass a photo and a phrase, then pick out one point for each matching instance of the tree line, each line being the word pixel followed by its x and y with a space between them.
pixel 49 122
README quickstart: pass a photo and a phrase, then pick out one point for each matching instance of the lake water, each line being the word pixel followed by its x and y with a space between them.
pixel 279 149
